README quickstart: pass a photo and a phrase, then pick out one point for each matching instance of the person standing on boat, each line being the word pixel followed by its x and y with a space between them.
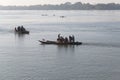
pixel 18 28
pixel 58 35
pixel 22 28
pixel 70 39
pixel 15 29
pixel 66 40
pixel 73 38
pixel 59 38
pixel 62 39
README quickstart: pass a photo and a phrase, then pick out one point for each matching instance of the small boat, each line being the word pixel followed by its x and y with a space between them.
pixel 58 43
pixel 22 32
pixel 62 16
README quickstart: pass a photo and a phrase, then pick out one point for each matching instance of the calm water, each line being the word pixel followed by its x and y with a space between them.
pixel 22 57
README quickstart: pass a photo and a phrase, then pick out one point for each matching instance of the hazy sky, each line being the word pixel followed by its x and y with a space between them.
pixel 34 2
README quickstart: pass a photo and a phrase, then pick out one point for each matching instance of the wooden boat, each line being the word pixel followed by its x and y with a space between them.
pixel 58 43
pixel 22 32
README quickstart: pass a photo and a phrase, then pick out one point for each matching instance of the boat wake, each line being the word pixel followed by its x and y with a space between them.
pixel 97 44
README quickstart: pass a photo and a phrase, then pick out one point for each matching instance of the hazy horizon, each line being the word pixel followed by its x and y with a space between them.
pixel 42 2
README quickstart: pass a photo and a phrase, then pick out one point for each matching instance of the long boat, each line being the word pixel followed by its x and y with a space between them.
pixel 59 43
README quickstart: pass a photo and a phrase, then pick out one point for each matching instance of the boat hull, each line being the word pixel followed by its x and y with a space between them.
pixel 22 32
pixel 57 43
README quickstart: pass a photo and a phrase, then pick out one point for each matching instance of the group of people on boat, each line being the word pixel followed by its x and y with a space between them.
pixel 62 39
pixel 20 28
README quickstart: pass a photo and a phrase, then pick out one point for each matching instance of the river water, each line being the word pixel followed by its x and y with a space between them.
pixel 22 57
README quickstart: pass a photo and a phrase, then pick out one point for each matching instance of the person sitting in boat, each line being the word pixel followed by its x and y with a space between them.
pixel 62 39
pixel 59 38
pixel 22 28
pixel 70 39
pixel 66 40
pixel 43 39
pixel 73 38
pixel 15 29
pixel 18 28
pixel 58 35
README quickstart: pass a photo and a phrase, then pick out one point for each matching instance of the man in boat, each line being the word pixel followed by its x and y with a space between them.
pixel 18 28
pixel 59 38
pixel 15 29
pixel 62 39
pixel 66 40
pixel 73 38
pixel 70 39
pixel 22 28
pixel 58 35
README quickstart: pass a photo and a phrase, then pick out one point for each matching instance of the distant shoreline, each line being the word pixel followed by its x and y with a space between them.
pixel 66 6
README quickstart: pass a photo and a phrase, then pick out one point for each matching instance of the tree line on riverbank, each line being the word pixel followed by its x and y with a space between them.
pixel 66 6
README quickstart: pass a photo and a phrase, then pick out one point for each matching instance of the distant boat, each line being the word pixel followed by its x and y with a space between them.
pixel 62 16
pixel 58 43
pixel 44 15
pixel 22 32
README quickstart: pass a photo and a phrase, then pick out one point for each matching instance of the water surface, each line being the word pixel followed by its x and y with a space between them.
pixel 22 57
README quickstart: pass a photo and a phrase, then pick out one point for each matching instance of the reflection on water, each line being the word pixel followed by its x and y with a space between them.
pixel 20 39
pixel 66 48
pixel 18 35
pixel 61 48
